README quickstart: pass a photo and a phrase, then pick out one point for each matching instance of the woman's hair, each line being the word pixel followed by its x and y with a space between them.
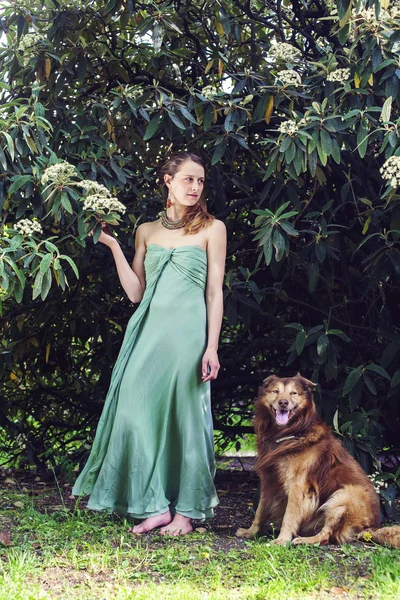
pixel 196 216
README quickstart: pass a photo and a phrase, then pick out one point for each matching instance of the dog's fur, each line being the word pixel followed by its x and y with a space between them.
pixel 312 490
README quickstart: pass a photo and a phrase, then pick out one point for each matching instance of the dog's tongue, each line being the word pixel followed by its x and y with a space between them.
pixel 282 417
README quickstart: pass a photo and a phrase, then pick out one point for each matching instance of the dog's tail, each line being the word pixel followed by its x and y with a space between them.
pixel 386 536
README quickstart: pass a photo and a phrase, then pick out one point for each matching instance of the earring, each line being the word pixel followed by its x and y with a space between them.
pixel 169 203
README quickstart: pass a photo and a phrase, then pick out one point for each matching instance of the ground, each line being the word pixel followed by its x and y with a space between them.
pixel 51 547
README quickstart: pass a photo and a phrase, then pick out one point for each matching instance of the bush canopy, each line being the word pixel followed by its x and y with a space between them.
pixel 295 107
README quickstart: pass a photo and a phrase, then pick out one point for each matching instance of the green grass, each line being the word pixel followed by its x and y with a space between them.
pixel 74 554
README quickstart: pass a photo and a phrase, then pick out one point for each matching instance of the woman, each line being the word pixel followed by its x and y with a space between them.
pixel 153 456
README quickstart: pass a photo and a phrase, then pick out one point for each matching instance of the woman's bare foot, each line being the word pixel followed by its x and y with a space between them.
pixel 180 525
pixel 151 523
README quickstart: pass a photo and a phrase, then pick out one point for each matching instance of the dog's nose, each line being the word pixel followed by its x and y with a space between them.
pixel 283 403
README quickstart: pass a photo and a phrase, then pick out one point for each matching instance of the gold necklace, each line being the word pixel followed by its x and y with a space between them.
pixel 172 224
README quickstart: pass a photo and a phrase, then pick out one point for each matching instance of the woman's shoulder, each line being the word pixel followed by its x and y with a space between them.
pixel 217 228
pixel 144 229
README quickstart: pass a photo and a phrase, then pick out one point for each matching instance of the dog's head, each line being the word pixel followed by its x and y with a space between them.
pixel 287 398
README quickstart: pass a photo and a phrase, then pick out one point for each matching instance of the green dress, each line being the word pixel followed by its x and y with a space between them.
pixel 153 448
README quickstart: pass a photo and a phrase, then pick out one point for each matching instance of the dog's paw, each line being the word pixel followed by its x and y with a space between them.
pixel 246 534
pixel 280 542
pixel 299 540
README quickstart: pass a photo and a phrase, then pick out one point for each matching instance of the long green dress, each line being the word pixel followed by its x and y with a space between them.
pixel 153 448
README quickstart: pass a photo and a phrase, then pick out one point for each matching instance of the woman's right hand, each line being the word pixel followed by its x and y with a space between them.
pixel 106 237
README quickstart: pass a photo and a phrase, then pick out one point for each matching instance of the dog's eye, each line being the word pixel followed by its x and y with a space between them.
pixel 275 391
pixel 293 393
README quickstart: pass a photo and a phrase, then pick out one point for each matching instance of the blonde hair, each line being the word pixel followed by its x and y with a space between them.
pixel 196 216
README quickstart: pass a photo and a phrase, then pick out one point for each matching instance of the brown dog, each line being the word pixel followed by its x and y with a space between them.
pixel 311 488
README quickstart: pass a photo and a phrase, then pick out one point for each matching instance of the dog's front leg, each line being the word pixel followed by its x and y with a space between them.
pixel 256 525
pixel 300 507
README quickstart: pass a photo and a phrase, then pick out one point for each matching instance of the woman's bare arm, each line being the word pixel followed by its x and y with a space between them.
pixel 132 278
pixel 216 254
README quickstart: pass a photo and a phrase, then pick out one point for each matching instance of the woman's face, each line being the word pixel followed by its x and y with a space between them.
pixel 187 185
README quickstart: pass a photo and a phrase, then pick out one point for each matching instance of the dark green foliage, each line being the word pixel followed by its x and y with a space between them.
pixel 313 262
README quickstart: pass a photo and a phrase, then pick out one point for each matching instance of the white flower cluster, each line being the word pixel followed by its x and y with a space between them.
pixel 27 227
pixel 92 187
pixel 289 127
pixel 59 174
pixel 28 42
pixel 378 483
pixel 338 75
pixel 284 52
pixel 133 91
pixel 394 9
pixel 366 14
pixel 289 77
pixel 209 91
pixel 99 199
pixel 390 171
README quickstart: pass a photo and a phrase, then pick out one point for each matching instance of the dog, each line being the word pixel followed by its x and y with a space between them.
pixel 312 490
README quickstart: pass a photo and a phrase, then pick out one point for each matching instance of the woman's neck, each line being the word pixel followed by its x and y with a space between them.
pixel 175 213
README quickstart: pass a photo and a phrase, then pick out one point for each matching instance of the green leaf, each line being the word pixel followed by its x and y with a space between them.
pixel 285 144
pixel 386 110
pixel 66 203
pixel 152 127
pixel 300 340
pixel 279 244
pixel 176 120
pixel 362 137
pixel 313 276
pixel 218 152
pixel 71 262
pixel 326 142
pixel 288 227
pixel 18 182
pixel 295 326
pixel 290 152
pixel 369 382
pixel 322 344
pixel 379 370
pixel 37 286
pixel 344 11
pixel 320 251
pixel 187 115
pixel 45 263
pixel 281 208
pixel 10 145
pixel 395 379
pixel 339 333
pixel 312 162
pixel 351 380
pixel 46 284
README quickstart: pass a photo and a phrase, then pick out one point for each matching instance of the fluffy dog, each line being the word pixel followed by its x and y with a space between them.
pixel 311 488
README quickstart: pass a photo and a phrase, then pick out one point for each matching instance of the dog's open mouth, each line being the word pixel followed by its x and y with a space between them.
pixel 282 416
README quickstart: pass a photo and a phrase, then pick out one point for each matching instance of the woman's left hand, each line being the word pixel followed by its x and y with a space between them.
pixel 209 365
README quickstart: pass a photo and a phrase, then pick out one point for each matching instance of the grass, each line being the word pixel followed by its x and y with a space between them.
pixel 61 551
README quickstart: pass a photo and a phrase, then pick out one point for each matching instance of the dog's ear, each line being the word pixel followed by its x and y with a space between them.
pixel 268 380
pixel 307 382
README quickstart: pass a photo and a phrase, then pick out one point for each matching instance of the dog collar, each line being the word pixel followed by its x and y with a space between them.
pixel 288 437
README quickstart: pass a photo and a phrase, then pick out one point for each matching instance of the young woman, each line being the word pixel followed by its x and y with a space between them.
pixel 153 456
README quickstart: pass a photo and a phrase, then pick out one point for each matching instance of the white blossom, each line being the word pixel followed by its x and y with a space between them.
pixel 27 227
pixel 338 75
pixel 289 127
pixel 394 9
pixel 209 92
pixel 391 171
pixel 285 52
pixel 59 174
pixel 29 42
pixel 92 187
pixel 289 77
pixel 101 204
